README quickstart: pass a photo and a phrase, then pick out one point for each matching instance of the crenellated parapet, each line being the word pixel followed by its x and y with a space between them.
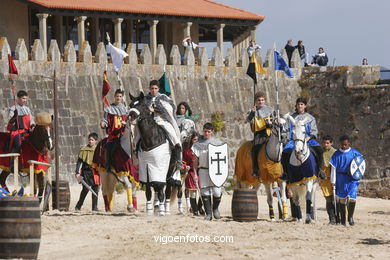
pixel 96 62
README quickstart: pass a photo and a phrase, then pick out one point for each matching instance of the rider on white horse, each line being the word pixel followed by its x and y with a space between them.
pixel 311 134
pixel 163 109
pixel 260 118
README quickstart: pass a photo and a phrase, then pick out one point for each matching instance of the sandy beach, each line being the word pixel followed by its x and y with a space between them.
pixel 122 235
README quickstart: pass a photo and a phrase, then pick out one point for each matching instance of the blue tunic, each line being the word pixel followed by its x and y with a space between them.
pixel 311 130
pixel 346 186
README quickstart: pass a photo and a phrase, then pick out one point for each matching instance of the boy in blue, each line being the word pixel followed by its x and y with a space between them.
pixel 346 186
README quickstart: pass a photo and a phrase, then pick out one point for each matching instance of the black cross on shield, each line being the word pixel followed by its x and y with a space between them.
pixel 218 164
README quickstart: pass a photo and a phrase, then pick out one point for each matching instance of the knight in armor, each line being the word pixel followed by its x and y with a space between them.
pixel 311 136
pixel 114 121
pixel 341 178
pixel 326 186
pixel 201 166
pixel 20 122
pixel 163 109
pixel 260 118
pixel 85 171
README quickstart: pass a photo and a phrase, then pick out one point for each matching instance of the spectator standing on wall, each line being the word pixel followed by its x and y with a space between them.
pixel 187 42
pixel 252 48
pixel 321 59
pixel 289 49
pixel 364 61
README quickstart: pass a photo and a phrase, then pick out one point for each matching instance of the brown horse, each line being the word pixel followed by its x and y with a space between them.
pixel 35 146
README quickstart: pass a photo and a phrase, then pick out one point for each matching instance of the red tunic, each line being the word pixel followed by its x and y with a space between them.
pixel 191 176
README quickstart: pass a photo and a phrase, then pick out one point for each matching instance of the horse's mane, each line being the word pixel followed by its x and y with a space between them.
pixel 152 135
pixel 39 139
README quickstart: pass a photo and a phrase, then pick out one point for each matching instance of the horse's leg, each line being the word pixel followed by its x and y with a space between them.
pixel 188 199
pixel 40 183
pixel 168 192
pixel 270 201
pixel 3 178
pixel 283 197
pixel 179 201
pixel 129 192
pixel 159 190
pixel 111 182
pixel 103 181
pixel 149 202
pixel 309 190
pixel 135 203
pixel 313 199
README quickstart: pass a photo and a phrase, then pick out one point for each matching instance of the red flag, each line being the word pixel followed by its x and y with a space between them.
pixel 106 88
pixel 12 67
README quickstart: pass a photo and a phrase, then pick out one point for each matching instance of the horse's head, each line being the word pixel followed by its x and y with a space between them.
pixel 40 138
pixel 299 136
pixel 138 108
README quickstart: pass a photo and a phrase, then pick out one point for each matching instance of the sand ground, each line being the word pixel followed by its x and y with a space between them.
pixel 121 235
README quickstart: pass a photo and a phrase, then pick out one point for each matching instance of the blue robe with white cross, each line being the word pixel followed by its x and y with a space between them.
pixel 346 186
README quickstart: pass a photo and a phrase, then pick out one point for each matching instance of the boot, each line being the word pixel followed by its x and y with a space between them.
pixel 200 207
pixel 351 210
pixel 95 201
pixel 167 208
pixel 337 213
pixel 294 213
pixel 194 206
pixel 255 166
pixel 342 214
pixel 271 213
pixel 331 211
pixel 216 202
pixel 207 207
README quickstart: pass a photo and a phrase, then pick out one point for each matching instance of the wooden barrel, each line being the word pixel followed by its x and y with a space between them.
pixel 20 227
pixel 64 193
pixel 245 205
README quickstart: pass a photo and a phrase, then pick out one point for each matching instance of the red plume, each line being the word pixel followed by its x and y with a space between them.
pixel 12 67
pixel 106 88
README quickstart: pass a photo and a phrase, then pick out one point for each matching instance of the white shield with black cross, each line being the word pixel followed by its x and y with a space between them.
pixel 218 164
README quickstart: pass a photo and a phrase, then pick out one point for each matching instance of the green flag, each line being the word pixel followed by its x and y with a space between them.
pixel 164 85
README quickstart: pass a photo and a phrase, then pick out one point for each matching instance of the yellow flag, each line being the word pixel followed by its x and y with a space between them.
pixel 258 67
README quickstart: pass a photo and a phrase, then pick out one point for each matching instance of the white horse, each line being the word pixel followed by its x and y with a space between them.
pixel 302 172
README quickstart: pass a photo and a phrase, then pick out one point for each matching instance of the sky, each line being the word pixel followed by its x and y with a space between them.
pixel 348 30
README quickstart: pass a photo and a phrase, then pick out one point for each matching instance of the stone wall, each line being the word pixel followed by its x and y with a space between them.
pixel 346 100
pixel 216 85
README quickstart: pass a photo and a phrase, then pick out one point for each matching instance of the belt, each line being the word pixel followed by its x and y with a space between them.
pixel 343 173
pixel 203 168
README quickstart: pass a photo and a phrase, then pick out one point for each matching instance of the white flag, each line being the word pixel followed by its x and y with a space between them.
pixel 117 56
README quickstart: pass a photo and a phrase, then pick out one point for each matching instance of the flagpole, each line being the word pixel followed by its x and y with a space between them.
pixel 277 93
